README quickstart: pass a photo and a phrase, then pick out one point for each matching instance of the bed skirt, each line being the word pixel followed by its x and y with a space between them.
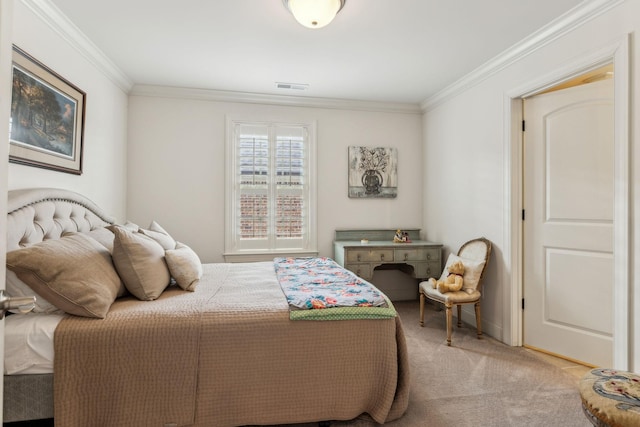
pixel 28 397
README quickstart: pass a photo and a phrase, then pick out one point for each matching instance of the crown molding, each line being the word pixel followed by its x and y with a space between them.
pixel 565 23
pixel 283 100
pixel 58 22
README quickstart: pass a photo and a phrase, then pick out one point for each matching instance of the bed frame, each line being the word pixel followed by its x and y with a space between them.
pixel 35 215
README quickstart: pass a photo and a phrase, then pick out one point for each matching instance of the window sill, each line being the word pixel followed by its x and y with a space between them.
pixel 265 256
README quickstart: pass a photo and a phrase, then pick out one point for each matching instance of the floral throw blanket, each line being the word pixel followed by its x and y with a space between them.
pixel 314 284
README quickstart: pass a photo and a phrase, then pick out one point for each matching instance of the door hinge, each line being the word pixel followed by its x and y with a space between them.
pixel 523 303
pixel 523 126
pixel 523 214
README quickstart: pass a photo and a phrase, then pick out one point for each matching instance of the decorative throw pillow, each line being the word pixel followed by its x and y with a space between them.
pixel 160 235
pixel 102 235
pixel 74 273
pixel 472 271
pixel 105 237
pixel 184 265
pixel 140 263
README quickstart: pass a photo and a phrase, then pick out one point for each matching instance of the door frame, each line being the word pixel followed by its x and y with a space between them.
pixel 6 18
pixel 616 52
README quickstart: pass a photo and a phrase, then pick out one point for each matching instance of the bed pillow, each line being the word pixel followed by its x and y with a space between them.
pixel 184 265
pixel 160 235
pixel 17 288
pixel 74 273
pixel 131 226
pixel 140 263
pixel 472 271
pixel 104 236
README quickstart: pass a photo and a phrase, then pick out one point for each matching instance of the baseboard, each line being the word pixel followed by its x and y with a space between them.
pixel 488 327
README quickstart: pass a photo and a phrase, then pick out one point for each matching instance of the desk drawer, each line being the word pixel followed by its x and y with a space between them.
pixel 361 270
pixel 368 255
pixel 429 269
pixel 433 254
pixel 410 254
pixel 417 254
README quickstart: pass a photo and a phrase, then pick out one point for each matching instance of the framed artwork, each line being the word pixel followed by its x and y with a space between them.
pixel 47 117
pixel 373 172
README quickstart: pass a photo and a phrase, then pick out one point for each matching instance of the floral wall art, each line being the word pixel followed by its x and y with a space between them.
pixel 373 172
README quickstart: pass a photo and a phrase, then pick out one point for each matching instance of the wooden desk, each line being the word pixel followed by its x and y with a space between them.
pixel 420 259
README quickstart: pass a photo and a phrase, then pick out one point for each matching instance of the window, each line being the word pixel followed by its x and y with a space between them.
pixel 270 189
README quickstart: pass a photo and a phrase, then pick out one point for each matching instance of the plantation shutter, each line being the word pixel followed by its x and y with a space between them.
pixel 272 194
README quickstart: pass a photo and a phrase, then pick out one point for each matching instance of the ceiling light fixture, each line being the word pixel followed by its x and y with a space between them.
pixel 314 13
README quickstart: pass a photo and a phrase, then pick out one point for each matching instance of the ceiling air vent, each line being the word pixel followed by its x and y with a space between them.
pixel 294 86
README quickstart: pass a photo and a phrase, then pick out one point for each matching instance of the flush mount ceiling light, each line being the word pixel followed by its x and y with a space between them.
pixel 314 13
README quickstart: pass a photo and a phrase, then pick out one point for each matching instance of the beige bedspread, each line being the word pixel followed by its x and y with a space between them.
pixel 226 355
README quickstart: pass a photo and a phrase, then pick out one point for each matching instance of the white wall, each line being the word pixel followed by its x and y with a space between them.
pixel 104 177
pixel 464 159
pixel 464 185
pixel 176 167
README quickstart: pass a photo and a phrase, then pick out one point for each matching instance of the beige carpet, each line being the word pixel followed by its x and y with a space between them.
pixel 478 382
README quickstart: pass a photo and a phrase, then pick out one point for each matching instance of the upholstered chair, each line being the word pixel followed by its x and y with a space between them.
pixel 475 256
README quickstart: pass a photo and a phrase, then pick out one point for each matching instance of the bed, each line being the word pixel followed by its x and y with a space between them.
pixel 230 351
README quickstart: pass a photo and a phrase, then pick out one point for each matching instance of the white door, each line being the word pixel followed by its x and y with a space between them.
pixel 568 227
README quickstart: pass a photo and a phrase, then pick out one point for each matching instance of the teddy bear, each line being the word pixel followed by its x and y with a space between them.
pixel 453 281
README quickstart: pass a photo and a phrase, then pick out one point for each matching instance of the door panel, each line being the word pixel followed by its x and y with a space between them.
pixel 568 231
pixel 579 175
pixel 567 271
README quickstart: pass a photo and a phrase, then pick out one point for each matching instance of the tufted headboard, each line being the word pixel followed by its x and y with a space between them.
pixel 37 214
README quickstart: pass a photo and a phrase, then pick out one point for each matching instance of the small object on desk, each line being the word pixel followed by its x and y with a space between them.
pixel 364 241
pixel 401 237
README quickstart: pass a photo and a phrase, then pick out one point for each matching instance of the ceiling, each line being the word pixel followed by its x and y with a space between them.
pixel 402 51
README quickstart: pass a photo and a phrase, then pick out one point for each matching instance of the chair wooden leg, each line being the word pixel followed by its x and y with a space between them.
pixel 459 315
pixel 478 320
pixel 449 321
pixel 422 298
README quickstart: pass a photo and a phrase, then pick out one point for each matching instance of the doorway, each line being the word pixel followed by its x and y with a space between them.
pixel 617 52
pixel 568 201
